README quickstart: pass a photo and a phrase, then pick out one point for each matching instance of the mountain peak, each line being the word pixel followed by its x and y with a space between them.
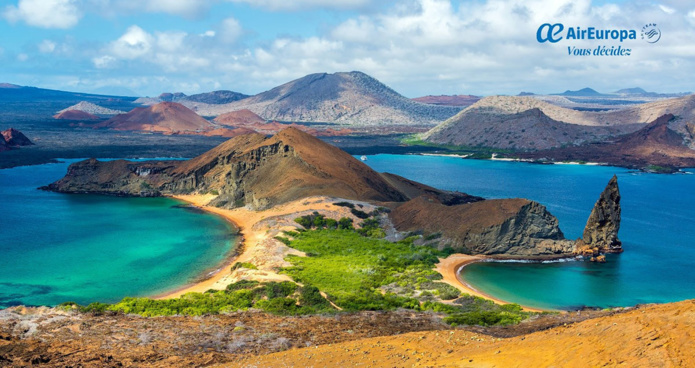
pixel 350 98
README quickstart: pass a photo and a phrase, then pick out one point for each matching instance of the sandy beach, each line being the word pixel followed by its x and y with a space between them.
pixel 258 246
pixel 449 268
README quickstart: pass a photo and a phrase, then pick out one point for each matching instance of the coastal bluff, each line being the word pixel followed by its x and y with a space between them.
pixel 259 172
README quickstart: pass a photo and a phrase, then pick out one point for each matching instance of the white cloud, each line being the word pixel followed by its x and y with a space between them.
pixel 22 57
pixel 104 62
pixel 45 13
pixel 229 30
pixel 306 4
pixel 133 44
pixel 47 46
pixel 184 8
pixel 667 9
pixel 417 46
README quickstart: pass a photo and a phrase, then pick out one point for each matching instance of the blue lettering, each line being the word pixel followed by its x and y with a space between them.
pixel 548 32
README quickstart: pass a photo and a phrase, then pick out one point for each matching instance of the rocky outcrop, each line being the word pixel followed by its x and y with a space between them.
pixel 516 228
pixel 14 138
pixel 601 231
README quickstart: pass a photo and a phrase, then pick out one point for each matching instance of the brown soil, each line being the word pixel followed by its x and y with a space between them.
pixel 652 336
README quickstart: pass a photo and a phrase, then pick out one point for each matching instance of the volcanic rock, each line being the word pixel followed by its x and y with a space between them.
pixel 516 228
pixel 602 228
pixel 15 138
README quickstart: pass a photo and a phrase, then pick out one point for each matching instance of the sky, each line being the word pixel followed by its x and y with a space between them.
pixel 417 47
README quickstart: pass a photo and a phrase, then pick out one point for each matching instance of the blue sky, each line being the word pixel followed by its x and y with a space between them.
pixel 418 47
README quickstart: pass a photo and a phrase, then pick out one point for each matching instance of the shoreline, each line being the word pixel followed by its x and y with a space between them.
pixel 254 239
pixel 256 244
pixel 451 267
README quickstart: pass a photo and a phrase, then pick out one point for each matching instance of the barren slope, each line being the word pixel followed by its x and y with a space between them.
pixel 654 336
pixel 162 117
pixel 346 98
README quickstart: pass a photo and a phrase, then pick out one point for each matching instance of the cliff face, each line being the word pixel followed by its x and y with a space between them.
pixel 500 227
pixel 602 228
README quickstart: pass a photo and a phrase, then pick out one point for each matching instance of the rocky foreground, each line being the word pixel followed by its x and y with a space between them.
pixel 650 336
pixel 645 336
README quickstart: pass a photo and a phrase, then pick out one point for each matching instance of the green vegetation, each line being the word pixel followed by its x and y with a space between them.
pixel 364 273
pixel 660 169
pixel 355 268
pixel 282 298
pixel 319 221
pixel 248 265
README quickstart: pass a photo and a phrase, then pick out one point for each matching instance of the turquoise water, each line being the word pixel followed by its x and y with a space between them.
pixel 85 248
pixel 658 229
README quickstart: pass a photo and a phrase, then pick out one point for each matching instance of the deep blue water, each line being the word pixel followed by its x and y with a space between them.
pixel 658 229
pixel 84 248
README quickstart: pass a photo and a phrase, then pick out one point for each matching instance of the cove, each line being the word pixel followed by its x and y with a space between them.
pixel 89 248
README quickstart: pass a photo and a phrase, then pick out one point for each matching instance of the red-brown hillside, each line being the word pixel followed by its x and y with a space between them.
pixel 163 117
pixel 239 118
pixel 76 115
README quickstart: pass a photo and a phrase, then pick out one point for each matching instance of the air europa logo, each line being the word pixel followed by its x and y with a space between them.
pixel 553 33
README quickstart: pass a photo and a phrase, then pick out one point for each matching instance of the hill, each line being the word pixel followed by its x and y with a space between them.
pixel 528 123
pixel 655 144
pixel 584 92
pixel 352 98
pixel 213 98
pixel 76 115
pixel 14 138
pixel 216 97
pixel 455 100
pixel 520 123
pixel 91 108
pixel 239 118
pixel 167 117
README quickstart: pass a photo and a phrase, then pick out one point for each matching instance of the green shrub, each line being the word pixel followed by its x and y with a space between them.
pixel 344 204
pixel 311 297
pixel 242 285
pixel 279 289
pixel 248 265
pixel 359 213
